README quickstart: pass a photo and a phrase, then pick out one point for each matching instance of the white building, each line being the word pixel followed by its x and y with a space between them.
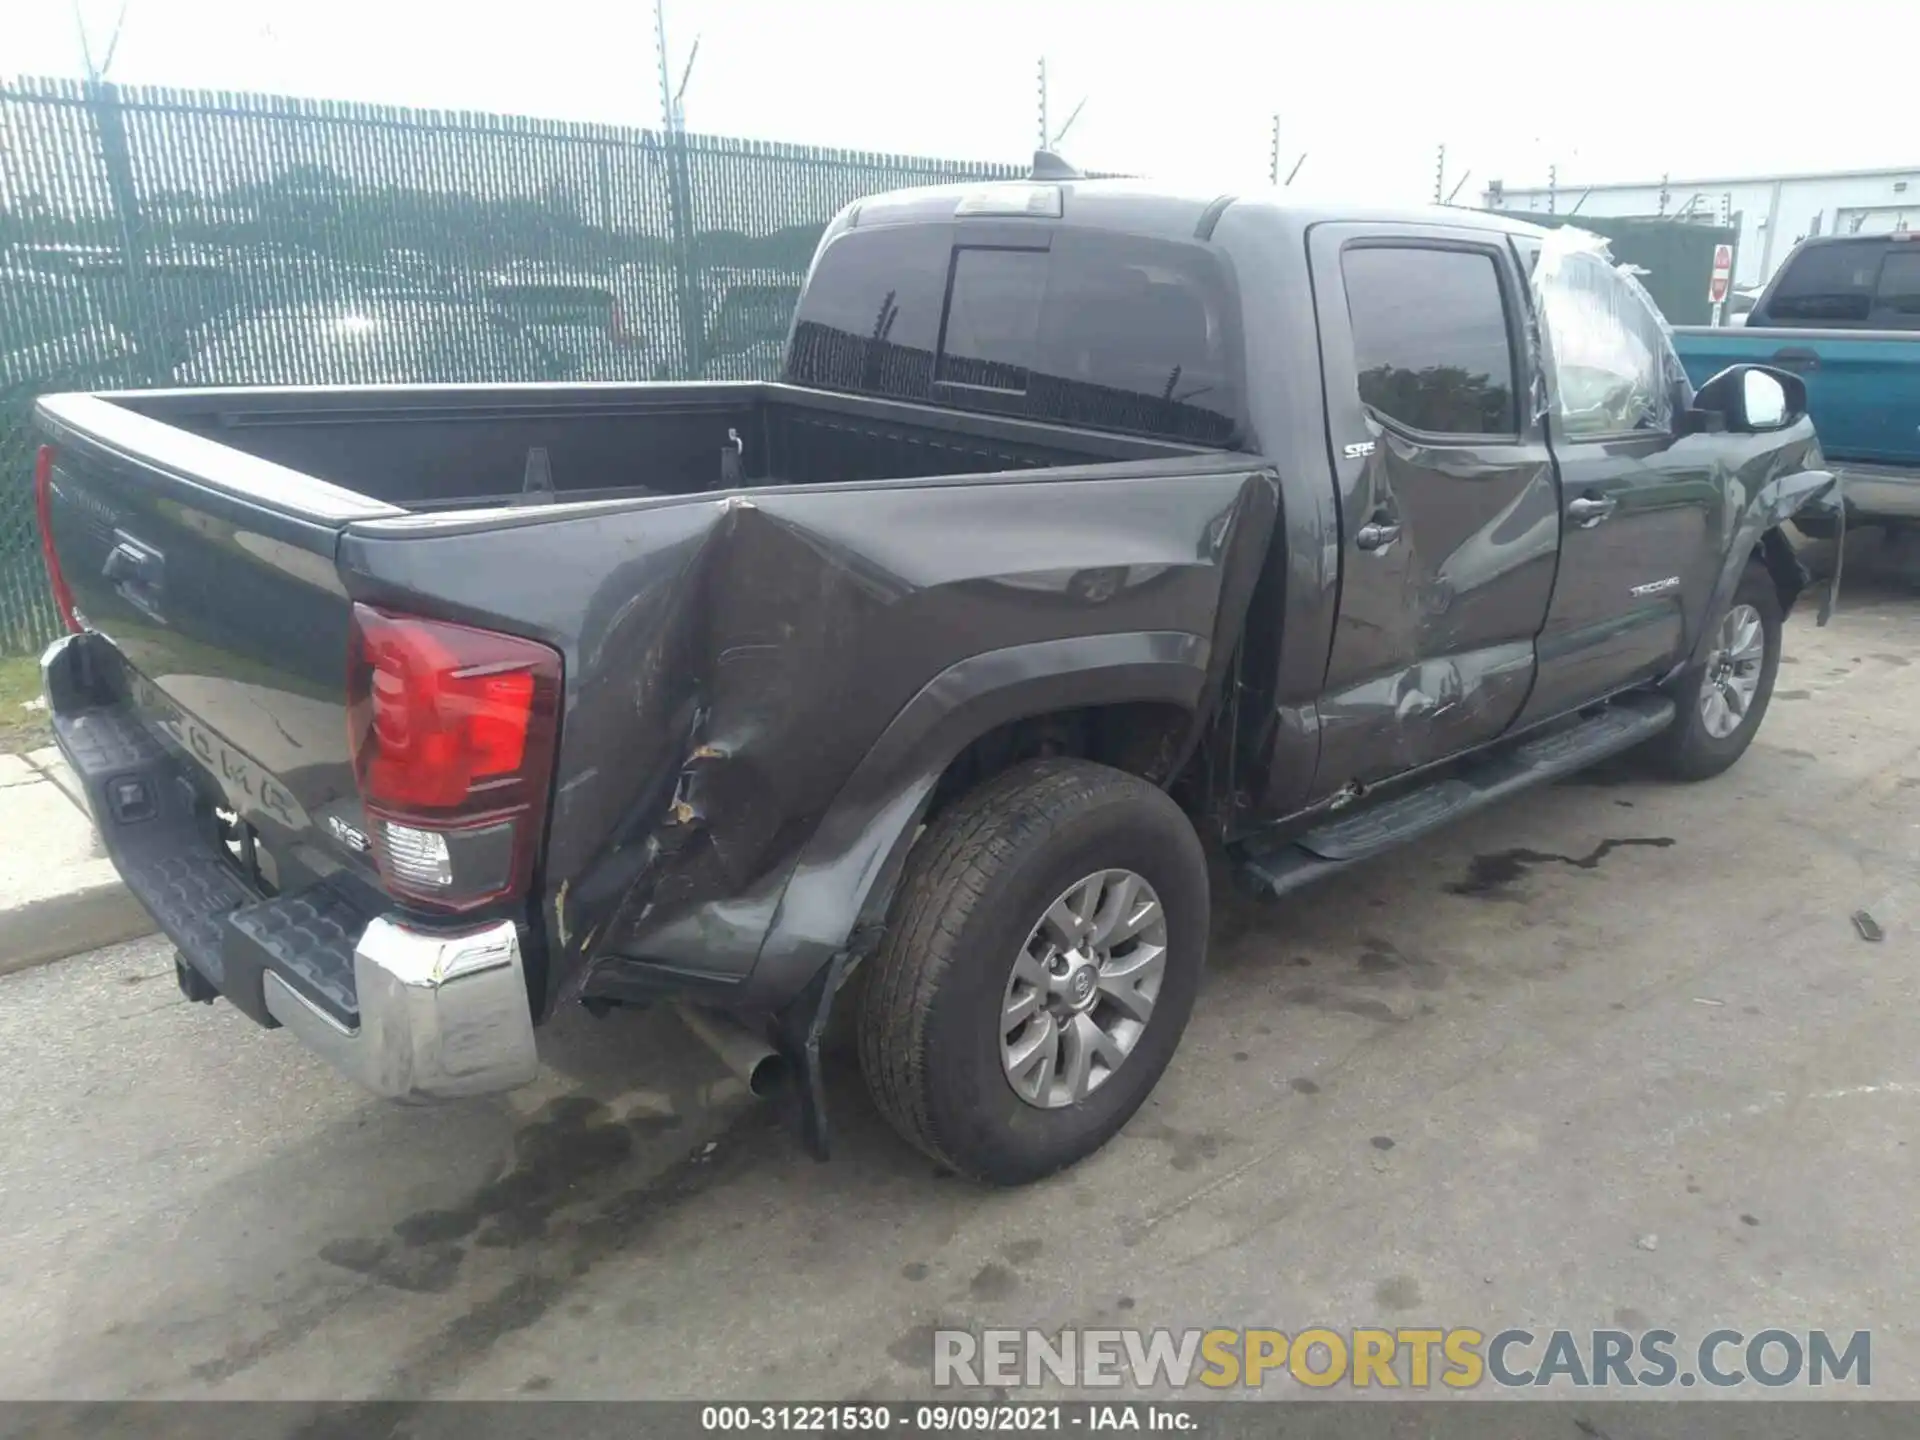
pixel 1772 211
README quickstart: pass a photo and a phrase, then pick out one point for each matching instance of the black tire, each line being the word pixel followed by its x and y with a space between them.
pixel 974 887
pixel 1687 750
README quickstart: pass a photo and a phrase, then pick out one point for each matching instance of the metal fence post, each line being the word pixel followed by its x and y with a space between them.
pixel 110 124
pixel 686 278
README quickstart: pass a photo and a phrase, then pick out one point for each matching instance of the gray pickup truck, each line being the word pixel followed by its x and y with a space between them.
pixel 1093 524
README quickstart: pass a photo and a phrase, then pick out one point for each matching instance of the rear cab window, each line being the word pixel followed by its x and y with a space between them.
pixel 1096 329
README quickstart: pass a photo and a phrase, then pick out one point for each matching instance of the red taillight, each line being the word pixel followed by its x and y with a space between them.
pixel 452 732
pixel 447 724
pixel 43 503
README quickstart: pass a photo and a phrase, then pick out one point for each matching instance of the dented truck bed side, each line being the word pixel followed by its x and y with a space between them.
pixel 762 689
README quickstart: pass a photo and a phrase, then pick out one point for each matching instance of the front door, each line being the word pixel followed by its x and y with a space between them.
pixel 1641 505
pixel 1448 514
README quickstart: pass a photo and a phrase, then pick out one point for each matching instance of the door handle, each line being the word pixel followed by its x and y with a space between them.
pixel 130 563
pixel 1377 535
pixel 1797 357
pixel 137 571
pixel 1589 510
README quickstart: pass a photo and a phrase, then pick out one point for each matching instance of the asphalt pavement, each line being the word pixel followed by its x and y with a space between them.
pixel 1610 1055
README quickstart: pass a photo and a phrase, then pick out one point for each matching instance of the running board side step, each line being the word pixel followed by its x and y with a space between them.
pixel 1274 866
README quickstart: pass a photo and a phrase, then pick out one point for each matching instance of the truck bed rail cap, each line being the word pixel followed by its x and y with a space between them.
pixel 91 419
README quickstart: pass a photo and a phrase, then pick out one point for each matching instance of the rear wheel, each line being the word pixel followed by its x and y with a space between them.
pixel 1723 700
pixel 1038 969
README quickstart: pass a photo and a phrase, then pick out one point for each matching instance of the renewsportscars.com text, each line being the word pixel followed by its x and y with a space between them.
pixel 1403 1358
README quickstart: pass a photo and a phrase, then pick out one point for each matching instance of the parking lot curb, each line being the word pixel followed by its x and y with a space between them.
pixel 59 894
pixel 60 926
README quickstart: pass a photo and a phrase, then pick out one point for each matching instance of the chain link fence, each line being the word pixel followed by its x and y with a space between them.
pixel 153 237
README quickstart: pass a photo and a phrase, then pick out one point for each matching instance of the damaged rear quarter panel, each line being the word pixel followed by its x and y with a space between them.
pixel 731 659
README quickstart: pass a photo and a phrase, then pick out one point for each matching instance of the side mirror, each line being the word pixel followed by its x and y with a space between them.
pixel 1747 400
pixel 1764 399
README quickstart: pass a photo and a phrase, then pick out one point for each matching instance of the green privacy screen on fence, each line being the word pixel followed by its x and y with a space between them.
pixel 157 237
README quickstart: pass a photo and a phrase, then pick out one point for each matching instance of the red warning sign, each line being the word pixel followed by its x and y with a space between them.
pixel 1722 279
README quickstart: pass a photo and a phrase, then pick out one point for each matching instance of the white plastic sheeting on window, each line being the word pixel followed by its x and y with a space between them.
pixel 1614 366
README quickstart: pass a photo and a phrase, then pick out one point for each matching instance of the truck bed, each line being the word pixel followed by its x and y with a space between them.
pixel 450 448
pixel 725 660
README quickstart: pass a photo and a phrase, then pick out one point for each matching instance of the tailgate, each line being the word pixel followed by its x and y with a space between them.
pixel 210 574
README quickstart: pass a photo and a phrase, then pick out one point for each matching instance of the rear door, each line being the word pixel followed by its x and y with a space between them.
pixel 1642 507
pixel 1448 516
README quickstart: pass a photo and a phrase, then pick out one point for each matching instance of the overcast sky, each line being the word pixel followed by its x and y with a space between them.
pixel 1621 90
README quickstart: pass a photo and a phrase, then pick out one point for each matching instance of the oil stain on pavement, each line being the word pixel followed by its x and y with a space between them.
pixel 571 1194
pixel 1494 876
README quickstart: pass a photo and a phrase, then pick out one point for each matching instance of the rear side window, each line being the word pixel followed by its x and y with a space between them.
pixel 1832 283
pixel 1430 338
pixel 1898 293
pixel 1089 328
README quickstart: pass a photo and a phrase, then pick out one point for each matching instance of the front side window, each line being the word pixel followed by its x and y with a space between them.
pixel 1430 338
pixel 1614 368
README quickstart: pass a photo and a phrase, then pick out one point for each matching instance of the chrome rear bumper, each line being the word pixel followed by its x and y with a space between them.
pixel 441 1017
